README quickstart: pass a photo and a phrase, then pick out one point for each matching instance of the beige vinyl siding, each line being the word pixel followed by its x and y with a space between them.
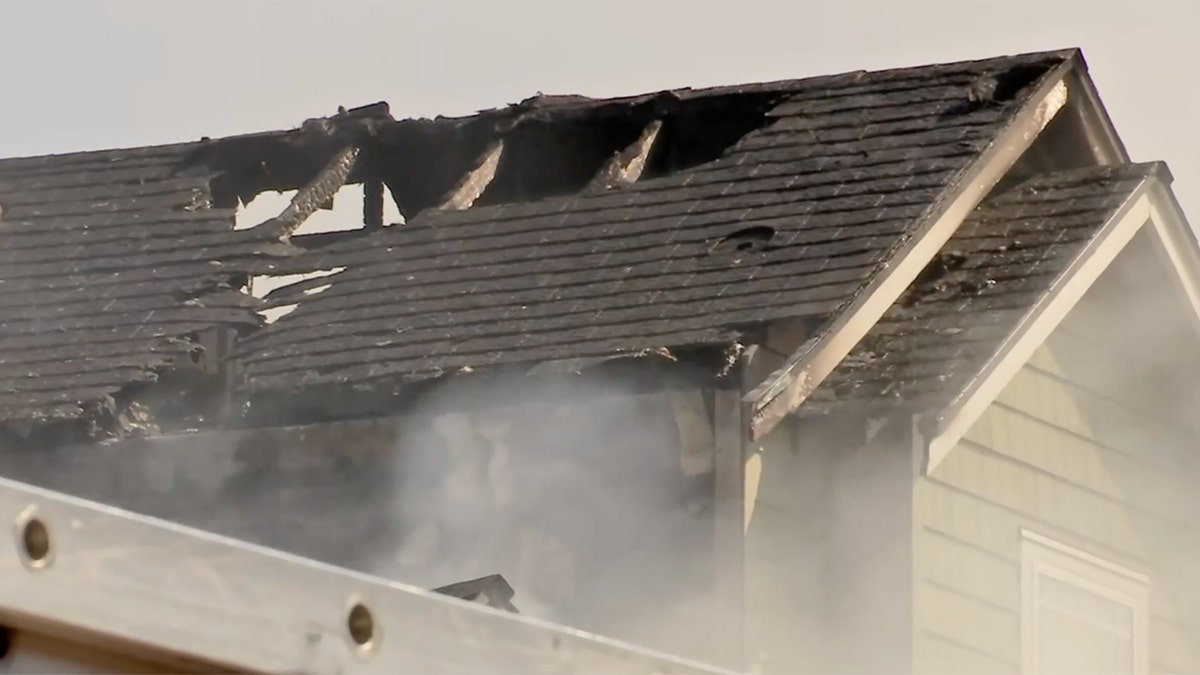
pixel 1070 459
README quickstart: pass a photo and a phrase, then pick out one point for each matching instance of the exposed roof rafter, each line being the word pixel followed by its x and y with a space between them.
pixel 627 166
pixel 313 196
pixel 472 185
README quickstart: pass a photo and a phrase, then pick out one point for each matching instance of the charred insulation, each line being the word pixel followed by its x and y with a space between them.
pixel 245 166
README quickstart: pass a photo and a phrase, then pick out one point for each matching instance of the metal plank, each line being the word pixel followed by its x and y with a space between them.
pixel 78 567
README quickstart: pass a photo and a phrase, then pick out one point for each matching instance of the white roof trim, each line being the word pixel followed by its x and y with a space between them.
pixel 1178 243
pixel 1151 204
pixel 786 389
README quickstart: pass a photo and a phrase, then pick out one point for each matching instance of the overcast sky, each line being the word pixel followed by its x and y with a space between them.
pixel 83 75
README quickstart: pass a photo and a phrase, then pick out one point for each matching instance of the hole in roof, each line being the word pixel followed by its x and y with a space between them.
pixel 554 157
pixel 1009 83
pixel 1004 86
pixel 343 214
pixel 753 238
pixel 262 285
pixel 276 313
pixel 562 151
pixel 705 129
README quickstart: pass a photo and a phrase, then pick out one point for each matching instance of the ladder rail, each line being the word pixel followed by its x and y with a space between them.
pixel 77 573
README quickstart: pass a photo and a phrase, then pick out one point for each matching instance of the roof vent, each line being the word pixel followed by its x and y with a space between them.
pixel 753 238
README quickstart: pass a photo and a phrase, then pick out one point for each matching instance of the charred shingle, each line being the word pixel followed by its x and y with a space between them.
pixel 972 296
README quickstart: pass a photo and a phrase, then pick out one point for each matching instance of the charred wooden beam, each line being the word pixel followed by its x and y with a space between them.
pixel 627 166
pixel 373 204
pixel 472 185
pixel 313 196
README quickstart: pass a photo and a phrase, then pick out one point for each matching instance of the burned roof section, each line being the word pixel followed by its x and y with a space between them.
pixel 110 263
pixel 556 229
pixel 791 219
pixel 971 298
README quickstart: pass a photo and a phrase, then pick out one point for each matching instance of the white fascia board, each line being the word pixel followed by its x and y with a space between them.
pixel 1178 243
pixel 1101 134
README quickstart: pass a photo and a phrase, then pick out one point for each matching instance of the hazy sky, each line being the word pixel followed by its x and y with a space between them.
pixel 81 75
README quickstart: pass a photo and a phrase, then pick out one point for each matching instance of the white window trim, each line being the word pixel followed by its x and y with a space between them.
pixel 1042 556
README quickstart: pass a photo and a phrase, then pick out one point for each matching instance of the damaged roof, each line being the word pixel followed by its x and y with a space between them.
pixel 1010 253
pixel 108 262
pixel 522 243
pixel 791 220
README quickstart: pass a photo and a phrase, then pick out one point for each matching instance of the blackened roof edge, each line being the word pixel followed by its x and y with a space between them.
pixel 565 101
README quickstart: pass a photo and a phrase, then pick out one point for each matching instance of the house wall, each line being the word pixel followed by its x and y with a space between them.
pixel 1071 454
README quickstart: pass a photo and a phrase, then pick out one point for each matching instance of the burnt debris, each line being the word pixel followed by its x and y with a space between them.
pixel 492 590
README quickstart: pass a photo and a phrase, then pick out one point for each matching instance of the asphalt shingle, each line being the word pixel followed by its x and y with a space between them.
pixel 108 262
